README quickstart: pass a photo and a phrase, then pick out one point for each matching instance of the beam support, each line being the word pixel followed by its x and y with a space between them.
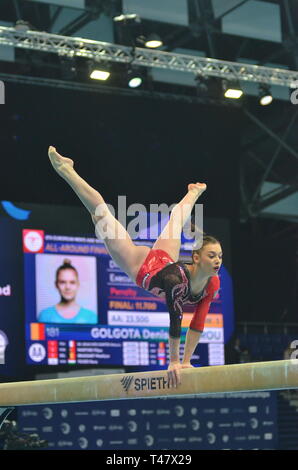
pixel 275 375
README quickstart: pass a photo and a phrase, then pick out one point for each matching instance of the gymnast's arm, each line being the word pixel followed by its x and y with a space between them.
pixel 191 342
pixel 192 338
pixel 174 365
pixel 197 323
pixel 195 329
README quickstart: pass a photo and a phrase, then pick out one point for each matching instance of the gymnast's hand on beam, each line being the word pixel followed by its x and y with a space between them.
pixel 174 378
pixel 186 365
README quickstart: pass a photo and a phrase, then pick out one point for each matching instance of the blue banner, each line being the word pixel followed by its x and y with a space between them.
pixel 224 421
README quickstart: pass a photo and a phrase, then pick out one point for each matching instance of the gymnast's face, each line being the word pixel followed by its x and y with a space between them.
pixel 67 284
pixel 209 259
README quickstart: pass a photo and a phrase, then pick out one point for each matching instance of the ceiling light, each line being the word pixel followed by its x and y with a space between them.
pixel 135 76
pixel 265 96
pixel 234 93
pixel 266 99
pixel 153 41
pixel 100 74
pixel 126 18
pixel 232 89
pixel 135 82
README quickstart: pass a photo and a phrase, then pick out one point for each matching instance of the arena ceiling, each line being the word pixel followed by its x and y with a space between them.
pixel 263 33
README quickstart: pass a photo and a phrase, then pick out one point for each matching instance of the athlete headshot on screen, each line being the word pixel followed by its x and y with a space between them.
pixel 67 310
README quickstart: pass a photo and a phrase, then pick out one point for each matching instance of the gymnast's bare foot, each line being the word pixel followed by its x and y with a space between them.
pixel 59 163
pixel 199 188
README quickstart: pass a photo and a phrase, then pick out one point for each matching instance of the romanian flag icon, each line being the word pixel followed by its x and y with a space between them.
pixel 72 352
pixel 37 331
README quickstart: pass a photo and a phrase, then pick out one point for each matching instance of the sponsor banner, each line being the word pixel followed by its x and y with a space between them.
pixel 225 421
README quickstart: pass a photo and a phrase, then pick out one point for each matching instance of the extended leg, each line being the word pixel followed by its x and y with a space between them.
pixel 170 238
pixel 125 253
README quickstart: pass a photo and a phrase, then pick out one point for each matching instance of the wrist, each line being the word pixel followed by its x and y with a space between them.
pixel 184 362
pixel 174 346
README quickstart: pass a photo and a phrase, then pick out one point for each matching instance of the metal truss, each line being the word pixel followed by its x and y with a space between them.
pixel 96 50
pixel 252 201
pixel 97 88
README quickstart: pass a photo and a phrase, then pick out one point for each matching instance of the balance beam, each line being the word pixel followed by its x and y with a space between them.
pixel 275 375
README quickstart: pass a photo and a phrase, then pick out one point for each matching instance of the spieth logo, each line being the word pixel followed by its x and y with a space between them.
pixel 126 382
pixel 33 241
pixel 150 383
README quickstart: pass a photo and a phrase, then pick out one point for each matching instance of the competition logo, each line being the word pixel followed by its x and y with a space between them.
pixel 33 241
pixel 140 384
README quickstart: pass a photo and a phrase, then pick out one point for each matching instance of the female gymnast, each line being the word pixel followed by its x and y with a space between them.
pixel 157 269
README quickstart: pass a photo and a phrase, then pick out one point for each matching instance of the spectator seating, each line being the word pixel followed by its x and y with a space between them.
pixel 266 347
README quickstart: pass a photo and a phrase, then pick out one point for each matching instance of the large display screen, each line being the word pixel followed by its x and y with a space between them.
pixel 110 321
pixel 106 320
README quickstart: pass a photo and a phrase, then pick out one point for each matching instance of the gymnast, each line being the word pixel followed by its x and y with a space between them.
pixel 157 269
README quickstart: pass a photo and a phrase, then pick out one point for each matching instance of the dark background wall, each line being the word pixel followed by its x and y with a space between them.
pixel 147 149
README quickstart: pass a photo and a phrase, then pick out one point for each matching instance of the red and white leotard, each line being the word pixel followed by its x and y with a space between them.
pixel 163 277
